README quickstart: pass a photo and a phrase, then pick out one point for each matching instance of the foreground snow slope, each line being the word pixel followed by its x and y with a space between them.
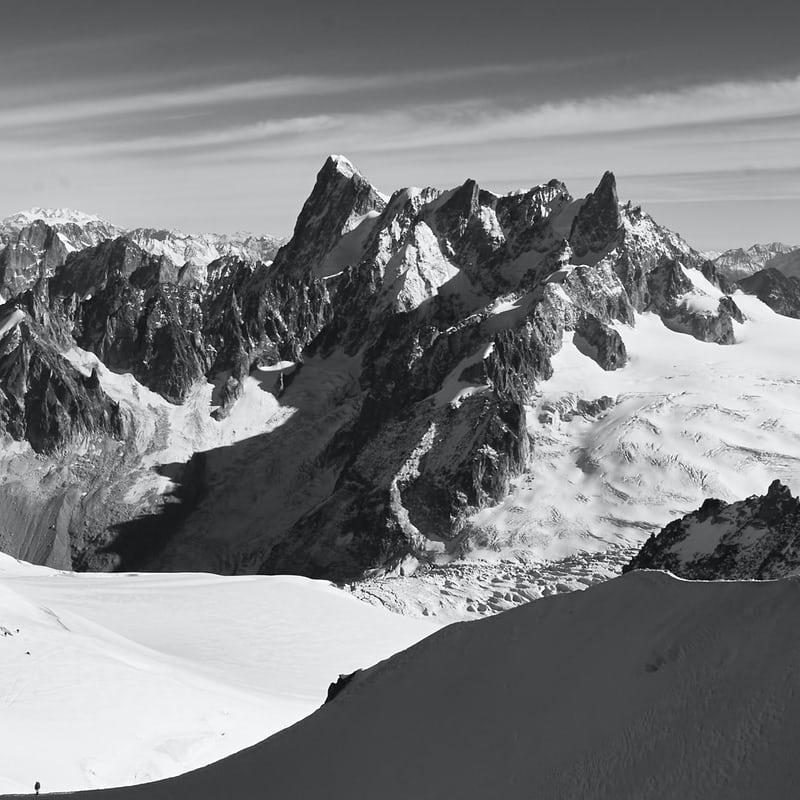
pixel 116 679
pixel 643 687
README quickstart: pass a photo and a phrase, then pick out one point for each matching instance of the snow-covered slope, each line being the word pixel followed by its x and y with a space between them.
pixel 108 680
pixel 646 687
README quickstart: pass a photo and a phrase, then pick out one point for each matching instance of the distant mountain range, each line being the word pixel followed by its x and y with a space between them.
pixel 45 237
pixel 739 263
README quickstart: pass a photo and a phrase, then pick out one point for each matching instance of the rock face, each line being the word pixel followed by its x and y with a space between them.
pixel 43 398
pixel 755 539
pixel 600 342
pixel 420 326
pixel 687 309
pixel 38 246
pixel 786 262
pixel 779 292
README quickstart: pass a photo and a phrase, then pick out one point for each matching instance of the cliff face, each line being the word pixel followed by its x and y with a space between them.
pixel 780 292
pixel 43 398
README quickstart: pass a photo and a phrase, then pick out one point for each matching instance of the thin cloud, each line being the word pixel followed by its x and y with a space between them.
pixel 703 108
pixel 707 105
pixel 220 95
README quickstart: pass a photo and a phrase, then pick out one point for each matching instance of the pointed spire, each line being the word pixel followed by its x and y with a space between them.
pixel 597 223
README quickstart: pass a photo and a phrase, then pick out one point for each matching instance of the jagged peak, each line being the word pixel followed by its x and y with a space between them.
pixel 607 188
pixel 342 164
pixel 338 171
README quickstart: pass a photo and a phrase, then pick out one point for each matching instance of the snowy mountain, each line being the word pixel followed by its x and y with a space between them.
pixel 114 680
pixel 199 250
pixel 414 382
pixel 740 263
pixel 57 217
pixel 757 538
pixel 44 238
pixel 646 687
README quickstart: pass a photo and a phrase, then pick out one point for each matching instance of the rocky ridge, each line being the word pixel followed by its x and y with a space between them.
pixel 777 290
pixel 753 539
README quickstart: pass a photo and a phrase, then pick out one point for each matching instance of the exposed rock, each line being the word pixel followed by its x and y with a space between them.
pixel 43 398
pixel 787 262
pixel 713 275
pixel 779 292
pixel 685 309
pixel 598 221
pixel 600 342
pixel 38 242
pixel 757 538
pixel 340 684
pixel 342 199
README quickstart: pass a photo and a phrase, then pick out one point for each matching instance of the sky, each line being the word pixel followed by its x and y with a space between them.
pixel 216 116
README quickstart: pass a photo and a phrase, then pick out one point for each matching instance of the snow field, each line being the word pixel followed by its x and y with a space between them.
pixel 645 687
pixel 107 680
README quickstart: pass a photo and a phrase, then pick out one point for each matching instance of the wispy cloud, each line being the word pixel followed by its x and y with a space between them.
pixel 214 95
pixel 699 110
pixel 483 122
pixel 704 113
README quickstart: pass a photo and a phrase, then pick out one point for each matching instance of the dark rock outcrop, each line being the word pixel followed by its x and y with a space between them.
pixel 757 538
pixel 600 342
pixel 43 398
pixel 687 310
pixel 779 292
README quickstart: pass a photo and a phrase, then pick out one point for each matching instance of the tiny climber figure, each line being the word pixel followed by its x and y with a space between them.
pixel 36 787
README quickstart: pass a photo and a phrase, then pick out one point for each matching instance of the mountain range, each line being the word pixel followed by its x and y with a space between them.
pixel 739 263
pixel 407 381
pixel 39 240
